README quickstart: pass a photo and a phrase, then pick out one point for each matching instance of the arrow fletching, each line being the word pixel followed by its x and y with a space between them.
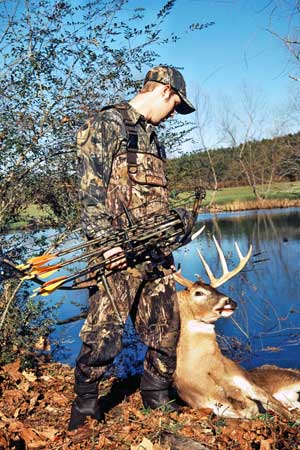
pixel 27 277
pixel 44 272
pixel 40 260
pixel 23 266
pixel 50 286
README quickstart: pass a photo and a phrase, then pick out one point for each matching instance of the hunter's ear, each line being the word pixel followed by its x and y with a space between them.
pixel 166 91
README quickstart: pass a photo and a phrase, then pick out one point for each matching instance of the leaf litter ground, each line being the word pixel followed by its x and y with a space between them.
pixel 35 407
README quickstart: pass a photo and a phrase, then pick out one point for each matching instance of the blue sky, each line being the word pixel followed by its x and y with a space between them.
pixel 238 50
pixel 234 56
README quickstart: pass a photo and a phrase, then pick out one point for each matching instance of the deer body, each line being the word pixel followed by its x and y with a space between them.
pixel 204 377
pixel 283 384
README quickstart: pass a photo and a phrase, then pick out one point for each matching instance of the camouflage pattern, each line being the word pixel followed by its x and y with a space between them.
pixel 172 77
pixel 104 179
pixel 107 182
pixel 153 308
pixel 98 141
pixel 141 189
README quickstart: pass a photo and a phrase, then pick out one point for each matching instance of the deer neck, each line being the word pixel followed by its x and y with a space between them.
pixel 196 335
pixel 197 339
pixel 195 326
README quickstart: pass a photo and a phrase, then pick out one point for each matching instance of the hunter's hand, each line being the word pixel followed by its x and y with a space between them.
pixel 118 258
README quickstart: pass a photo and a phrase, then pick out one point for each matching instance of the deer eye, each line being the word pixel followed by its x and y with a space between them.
pixel 198 294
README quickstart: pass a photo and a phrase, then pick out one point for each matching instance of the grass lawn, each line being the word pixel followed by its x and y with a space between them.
pixel 233 198
pixel 32 213
pixel 242 198
pixel 279 191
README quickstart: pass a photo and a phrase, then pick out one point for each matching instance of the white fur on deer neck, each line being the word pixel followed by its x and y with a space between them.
pixel 197 326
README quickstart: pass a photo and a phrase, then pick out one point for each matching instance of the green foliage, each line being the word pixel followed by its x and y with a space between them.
pixel 243 194
pixel 26 323
pixel 60 61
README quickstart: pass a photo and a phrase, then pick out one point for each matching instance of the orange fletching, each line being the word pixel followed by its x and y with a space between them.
pixel 44 272
pixel 39 260
pixel 53 281
pixel 51 285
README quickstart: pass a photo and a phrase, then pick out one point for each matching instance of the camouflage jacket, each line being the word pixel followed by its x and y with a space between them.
pixel 109 178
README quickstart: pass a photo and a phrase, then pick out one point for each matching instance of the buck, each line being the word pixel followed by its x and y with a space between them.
pixel 204 377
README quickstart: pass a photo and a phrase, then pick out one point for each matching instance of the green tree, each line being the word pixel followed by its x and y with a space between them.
pixel 60 61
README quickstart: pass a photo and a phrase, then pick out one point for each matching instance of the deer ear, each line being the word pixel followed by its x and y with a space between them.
pixel 200 280
pixel 181 280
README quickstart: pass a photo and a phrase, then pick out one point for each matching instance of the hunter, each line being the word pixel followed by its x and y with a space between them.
pixel 122 168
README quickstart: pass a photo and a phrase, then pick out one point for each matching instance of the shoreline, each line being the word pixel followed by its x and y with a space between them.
pixel 251 205
pixel 235 206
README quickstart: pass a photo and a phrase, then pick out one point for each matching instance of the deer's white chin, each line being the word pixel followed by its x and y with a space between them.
pixel 197 326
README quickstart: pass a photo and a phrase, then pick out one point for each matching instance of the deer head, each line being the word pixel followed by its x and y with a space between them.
pixel 203 301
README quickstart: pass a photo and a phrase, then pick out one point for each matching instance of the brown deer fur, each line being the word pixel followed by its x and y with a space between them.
pixel 205 378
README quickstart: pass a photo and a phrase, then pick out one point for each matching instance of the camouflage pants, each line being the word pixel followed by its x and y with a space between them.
pixel 152 305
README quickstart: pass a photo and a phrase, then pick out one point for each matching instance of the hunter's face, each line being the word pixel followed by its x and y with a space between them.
pixel 164 105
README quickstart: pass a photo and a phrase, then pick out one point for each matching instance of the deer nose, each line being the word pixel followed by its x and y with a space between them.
pixel 231 303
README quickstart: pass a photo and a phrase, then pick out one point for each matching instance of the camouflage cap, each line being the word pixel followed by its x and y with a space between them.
pixel 170 75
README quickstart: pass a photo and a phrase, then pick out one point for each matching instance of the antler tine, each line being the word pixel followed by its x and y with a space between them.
pixel 207 268
pixel 197 233
pixel 227 275
pixel 221 256
pixel 181 280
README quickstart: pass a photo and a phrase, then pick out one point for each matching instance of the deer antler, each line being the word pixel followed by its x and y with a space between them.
pixel 181 280
pixel 216 282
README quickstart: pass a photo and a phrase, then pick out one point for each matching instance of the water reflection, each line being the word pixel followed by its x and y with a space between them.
pixel 266 325
pixel 267 291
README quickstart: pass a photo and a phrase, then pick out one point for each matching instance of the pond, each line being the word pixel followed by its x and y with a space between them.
pixel 266 326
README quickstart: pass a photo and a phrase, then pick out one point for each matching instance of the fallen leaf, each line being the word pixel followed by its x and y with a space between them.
pixel 48 433
pixel 33 401
pixel 56 398
pixel 30 376
pixel 82 433
pixel 266 444
pixel 31 438
pixel 3 440
pixel 13 371
pixel 103 441
pixel 48 378
pixel 15 426
pixel 3 421
pixel 13 397
pixel 16 412
pixel 144 445
pixel 24 385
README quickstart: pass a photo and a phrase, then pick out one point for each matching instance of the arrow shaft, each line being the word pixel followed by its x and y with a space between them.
pixel 123 242
pixel 101 266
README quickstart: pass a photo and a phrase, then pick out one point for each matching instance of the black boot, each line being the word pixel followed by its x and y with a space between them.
pixel 155 393
pixel 85 404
